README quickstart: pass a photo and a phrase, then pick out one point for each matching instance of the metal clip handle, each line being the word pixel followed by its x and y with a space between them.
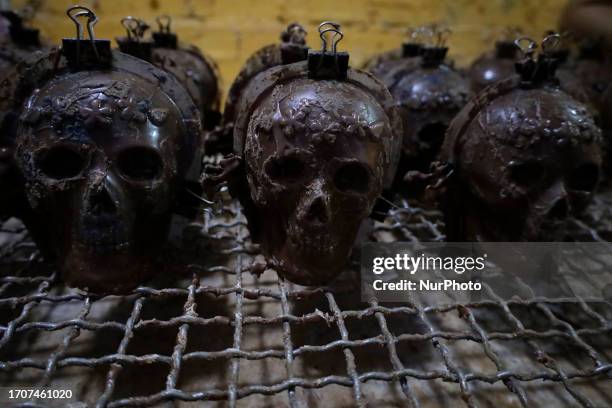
pixel 441 35
pixel 334 28
pixel 415 35
pixel 526 45
pixel 325 64
pixel 164 22
pixel 92 20
pixel 436 34
pixel 550 42
pixel 413 45
pixel 134 27
pixel 131 27
pixel 538 70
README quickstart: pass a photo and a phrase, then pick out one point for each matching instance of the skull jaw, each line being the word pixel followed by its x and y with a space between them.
pixel 111 256
pixel 308 271
pixel 479 229
pixel 115 272
pixel 102 254
pixel 477 222
pixel 310 259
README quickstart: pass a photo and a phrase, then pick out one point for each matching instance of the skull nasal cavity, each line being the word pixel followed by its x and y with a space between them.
pixel 101 203
pixel 560 210
pixel 317 211
pixel 433 133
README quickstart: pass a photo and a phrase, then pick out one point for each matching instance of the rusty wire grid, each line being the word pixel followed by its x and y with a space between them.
pixel 211 331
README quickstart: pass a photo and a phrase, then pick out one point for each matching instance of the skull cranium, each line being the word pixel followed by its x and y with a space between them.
pixel 316 156
pixel 104 155
pixel 524 161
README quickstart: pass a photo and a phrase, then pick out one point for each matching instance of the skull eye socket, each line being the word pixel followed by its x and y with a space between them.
pixel 285 169
pixel 584 177
pixel 352 178
pixel 140 163
pixel 526 174
pixel 61 162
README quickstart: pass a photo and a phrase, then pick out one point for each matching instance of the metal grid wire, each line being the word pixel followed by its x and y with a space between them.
pixel 314 324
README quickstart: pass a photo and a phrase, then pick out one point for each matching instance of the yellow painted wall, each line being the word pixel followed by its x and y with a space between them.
pixel 230 30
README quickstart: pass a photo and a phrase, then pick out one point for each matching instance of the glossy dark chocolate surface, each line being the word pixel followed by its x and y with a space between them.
pixel 428 98
pixel 103 154
pixel 493 66
pixel 316 155
pixel 197 73
pixel 525 155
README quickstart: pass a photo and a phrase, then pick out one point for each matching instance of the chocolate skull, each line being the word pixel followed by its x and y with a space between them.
pixel 318 143
pixel 524 156
pixel 20 42
pixel 428 98
pixel 492 67
pixel 197 72
pixel 594 69
pixel 105 145
pixel 314 181
pixel 292 48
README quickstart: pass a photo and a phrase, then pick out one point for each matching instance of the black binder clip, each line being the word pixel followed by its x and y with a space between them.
pixel 133 43
pixel 164 38
pixel 535 71
pixel 326 64
pixel 86 54
pixel 434 54
pixel 412 47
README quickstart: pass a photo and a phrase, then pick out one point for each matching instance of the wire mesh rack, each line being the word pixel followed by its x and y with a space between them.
pixel 214 328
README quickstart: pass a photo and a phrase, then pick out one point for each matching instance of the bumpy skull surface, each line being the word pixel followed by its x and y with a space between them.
pixel 101 156
pixel 316 155
pixel 524 159
pixel 196 73
pixel 428 98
